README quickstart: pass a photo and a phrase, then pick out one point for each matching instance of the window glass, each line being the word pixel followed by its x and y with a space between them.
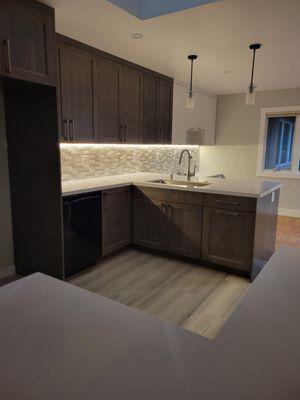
pixel 280 139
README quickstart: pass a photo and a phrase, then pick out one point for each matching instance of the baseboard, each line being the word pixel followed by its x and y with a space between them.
pixel 289 212
pixel 7 271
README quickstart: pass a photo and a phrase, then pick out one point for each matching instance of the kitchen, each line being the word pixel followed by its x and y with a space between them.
pixel 115 167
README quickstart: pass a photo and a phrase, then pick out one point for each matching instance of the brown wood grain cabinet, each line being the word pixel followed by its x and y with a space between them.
pixel 130 97
pixel 109 130
pixel 109 100
pixel 165 220
pixel 27 41
pixel 228 237
pixel 184 230
pixel 157 109
pixel 148 222
pixel 165 96
pixel 116 219
pixel 77 94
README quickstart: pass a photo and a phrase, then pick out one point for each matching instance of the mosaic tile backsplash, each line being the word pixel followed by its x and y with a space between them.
pixel 83 162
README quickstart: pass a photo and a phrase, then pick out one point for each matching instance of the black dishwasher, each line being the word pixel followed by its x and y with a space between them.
pixel 82 231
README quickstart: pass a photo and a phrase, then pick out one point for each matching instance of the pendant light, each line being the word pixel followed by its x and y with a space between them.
pixel 250 97
pixel 190 100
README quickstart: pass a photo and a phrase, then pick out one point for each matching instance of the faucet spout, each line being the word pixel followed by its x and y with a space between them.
pixel 189 172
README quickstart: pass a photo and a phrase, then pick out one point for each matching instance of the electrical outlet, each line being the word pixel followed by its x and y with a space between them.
pixel 84 160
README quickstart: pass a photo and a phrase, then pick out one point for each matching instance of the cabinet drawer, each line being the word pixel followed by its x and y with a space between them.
pixel 230 202
pixel 170 195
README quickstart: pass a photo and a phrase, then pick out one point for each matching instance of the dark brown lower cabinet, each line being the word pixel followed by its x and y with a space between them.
pixel 184 230
pixel 228 237
pixel 116 219
pixel 148 222
pixel 168 226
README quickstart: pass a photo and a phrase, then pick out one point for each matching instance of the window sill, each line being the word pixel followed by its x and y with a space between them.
pixel 278 174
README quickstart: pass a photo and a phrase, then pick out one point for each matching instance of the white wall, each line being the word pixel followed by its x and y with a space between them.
pixel 237 135
pixel 202 116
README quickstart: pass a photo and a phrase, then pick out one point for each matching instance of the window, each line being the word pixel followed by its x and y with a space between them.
pixel 279 147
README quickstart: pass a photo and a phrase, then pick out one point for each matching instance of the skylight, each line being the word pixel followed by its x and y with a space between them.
pixel 144 9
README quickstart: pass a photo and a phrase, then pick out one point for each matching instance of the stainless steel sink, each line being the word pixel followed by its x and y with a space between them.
pixel 187 184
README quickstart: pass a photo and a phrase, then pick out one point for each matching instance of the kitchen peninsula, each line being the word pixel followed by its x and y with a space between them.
pixel 221 223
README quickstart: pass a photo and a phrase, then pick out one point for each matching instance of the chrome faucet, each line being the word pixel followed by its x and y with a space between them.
pixel 189 174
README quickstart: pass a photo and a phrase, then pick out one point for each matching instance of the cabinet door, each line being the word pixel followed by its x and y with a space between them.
pixel 27 42
pixel 109 130
pixel 227 237
pixel 77 76
pixel 116 219
pixel 148 224
pixel 130 104
pixel 149 120
pixel 165 111
pixel 184 230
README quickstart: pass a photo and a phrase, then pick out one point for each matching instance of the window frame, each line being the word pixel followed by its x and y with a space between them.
pixel 289 111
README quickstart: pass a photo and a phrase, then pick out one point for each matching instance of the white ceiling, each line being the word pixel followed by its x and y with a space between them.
pixel 218 32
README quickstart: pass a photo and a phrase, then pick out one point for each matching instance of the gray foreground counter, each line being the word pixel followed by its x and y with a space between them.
pixel 60 342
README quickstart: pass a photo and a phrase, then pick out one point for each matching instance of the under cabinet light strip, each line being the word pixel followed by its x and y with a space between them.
pixel 122 146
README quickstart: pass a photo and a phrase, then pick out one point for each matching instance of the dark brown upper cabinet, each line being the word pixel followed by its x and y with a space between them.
pixel 150 108
pixel 27 41
pixel 115 101
pixel 157 109
pixel 165 96
pixel 109 130
pixel 77 94
pixel 130 104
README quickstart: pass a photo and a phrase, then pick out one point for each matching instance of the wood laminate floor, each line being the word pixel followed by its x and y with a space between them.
pixel 196 298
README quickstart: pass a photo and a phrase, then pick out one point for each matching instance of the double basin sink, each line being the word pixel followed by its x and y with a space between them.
pixel 181 184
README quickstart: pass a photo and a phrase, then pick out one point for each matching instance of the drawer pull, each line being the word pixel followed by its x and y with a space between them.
pixel 232 203
pixel 232 214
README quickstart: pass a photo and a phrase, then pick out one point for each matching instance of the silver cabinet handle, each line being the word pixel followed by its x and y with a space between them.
pixel 71 131
pixel 66 130
pixel 232 203
pixel 8 67
pixel 121 133
pixel 232 214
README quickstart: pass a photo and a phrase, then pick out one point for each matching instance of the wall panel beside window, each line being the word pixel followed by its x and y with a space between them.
pixel 279 146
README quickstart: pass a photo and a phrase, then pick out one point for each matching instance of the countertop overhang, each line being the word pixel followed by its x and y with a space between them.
pixel 58 341
pixel 233 187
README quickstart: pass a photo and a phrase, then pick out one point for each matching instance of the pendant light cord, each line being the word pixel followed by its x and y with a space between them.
pixel 253 63
pixel 191 83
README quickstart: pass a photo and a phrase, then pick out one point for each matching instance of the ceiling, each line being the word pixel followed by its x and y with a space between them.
pixel 219 32
pixel 144 9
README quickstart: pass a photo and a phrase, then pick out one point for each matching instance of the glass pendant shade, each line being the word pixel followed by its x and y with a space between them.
pixel 190 100
pixel 250 96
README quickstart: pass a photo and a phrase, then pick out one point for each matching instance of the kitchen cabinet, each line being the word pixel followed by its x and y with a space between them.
pixel 27 48
pixel 109 130
pixel 157 109
pixel 109 100
pixel 165 96
pixel 167 220
pixel 184 229
pixel 77 94
pixel 228 237
pixel 130 104
pixel 116 219
pixel 150 108
pixel 148 222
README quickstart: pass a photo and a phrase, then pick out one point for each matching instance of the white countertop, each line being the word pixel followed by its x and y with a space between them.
pixel 234 187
